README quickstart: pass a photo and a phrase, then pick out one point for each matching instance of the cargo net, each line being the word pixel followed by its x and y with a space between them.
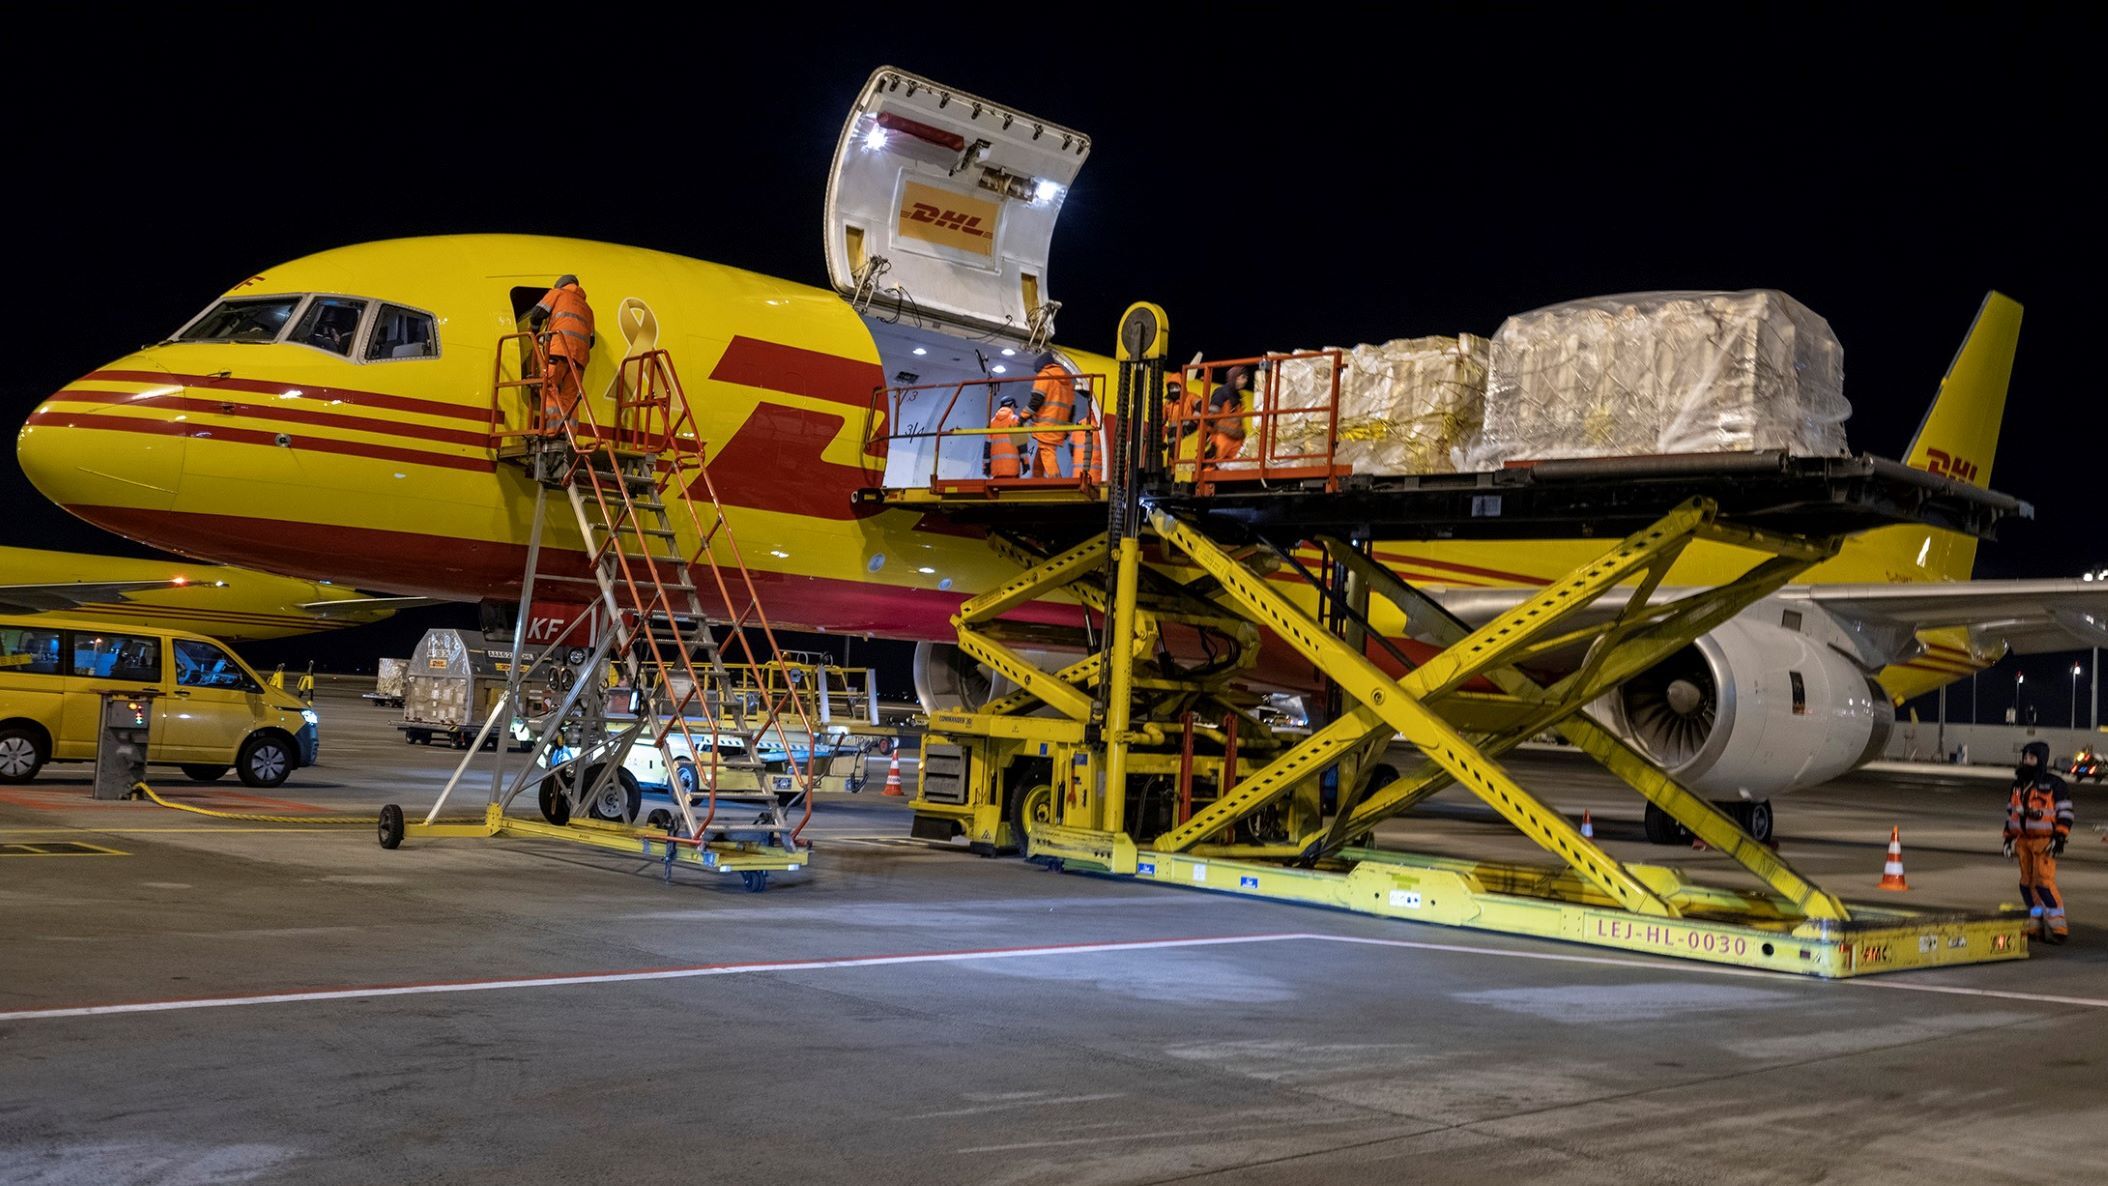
pixel 1405 407
pixel 1663 372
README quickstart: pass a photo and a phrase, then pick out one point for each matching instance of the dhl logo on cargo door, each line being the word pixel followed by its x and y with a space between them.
pixel 947 219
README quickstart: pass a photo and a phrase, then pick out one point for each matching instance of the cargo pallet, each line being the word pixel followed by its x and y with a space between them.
pixel 1123 763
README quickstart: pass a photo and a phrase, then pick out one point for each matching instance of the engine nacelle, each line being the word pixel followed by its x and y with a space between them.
pixel 949 679
pixel 1753 710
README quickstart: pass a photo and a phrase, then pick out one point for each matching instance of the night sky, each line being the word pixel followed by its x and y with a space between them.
pixel 1276 178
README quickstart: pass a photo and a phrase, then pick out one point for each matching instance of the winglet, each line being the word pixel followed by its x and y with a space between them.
pixel 1959 435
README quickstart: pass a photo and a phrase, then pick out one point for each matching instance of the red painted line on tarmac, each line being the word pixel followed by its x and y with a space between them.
pixel 679 972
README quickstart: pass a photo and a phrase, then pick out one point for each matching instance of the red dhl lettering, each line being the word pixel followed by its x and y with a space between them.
pixel 1947 465
pixel 951 220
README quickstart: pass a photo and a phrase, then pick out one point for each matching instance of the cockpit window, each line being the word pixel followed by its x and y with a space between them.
pixel 251 319
pixel 330 323
pixel 402 333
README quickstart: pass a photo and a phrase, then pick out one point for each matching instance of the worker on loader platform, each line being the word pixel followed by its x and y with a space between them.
pixel 2038 823
pixel 1000 453
pixel 1086 455
pixel 1053 403
pixel 564 323
pixel 1226 436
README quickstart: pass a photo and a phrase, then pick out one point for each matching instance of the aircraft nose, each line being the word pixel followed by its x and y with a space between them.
pixel 109 442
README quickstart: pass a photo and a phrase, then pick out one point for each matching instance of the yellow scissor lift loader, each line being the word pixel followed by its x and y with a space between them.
pixel 1129 762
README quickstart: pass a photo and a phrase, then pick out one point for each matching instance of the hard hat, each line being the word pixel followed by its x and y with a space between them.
pixel 1008 401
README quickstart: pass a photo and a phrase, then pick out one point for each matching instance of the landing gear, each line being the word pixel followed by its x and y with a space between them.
pixel 1754 816
pixel 1661 829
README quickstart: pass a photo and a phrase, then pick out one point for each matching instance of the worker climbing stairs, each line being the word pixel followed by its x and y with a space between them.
pixel 670 649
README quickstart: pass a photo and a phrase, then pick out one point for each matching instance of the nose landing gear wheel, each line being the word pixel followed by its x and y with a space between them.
pixel 391 826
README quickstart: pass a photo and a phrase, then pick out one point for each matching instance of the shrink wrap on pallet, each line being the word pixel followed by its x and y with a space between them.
pixel 1663 372
pixel 1405 407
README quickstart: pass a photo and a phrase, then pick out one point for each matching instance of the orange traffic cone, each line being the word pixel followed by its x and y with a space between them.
pixel 1588 826
pixel 893 777
pixel 1892 871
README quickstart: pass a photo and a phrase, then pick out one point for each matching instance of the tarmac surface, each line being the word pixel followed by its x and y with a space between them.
pixel 306 1007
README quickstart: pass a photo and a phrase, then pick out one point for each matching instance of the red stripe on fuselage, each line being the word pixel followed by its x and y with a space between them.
pixel 276 387
pixel 252 436
pixel 793 370
pixel 1519 578
pixel 278 411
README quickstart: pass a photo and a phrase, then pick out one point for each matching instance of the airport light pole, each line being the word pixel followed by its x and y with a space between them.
pixel 2074 695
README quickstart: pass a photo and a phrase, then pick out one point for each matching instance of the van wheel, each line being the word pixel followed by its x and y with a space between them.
pixel 265 761
pixel 21 754
pixel 204 773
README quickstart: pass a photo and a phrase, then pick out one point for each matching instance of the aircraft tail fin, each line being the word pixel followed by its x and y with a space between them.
pixel 1959 435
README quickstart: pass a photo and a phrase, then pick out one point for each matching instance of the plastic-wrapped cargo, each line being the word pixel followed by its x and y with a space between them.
pixel 1663 372
pixel 1405 406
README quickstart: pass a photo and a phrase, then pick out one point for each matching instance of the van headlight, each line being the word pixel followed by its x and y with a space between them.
pixel 308 715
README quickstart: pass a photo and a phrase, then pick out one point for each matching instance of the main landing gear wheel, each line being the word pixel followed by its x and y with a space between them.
pixel 1033 805
pixel 391 826
pixel 1754 815
pixel 756 880
pixel 1663 829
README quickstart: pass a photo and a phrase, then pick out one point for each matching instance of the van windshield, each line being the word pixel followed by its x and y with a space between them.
pixel 250 319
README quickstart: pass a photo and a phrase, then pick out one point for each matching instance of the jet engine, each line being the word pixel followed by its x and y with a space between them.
pixel 1752 710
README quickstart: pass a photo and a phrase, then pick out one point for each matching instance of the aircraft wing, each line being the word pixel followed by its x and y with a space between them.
pixel 65 595
pixel 347 606
pixel 2028 616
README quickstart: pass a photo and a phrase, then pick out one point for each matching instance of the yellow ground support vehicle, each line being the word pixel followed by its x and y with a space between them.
pixel 212 712
pixel 1125 755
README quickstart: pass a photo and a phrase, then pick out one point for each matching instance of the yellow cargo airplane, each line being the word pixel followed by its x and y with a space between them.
pixel 236 604
pixel 331 419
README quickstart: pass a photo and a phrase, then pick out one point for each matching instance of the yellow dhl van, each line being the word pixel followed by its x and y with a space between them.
pixel 213 713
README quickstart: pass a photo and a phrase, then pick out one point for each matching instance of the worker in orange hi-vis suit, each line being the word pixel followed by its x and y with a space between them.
pixel 1226 436
pixel 1086 451
pixel 1000 453
pixel 564 322
pixel 1053 403
pixel 2038 823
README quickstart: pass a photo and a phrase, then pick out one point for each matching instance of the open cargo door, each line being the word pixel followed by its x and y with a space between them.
pixel 943 204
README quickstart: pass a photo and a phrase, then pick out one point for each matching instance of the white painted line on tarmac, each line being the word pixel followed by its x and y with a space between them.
pixel 678 973
pixel 948 957
pixel 1719 970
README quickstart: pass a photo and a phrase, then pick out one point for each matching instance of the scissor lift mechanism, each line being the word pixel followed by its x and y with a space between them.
pixel 1121 763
